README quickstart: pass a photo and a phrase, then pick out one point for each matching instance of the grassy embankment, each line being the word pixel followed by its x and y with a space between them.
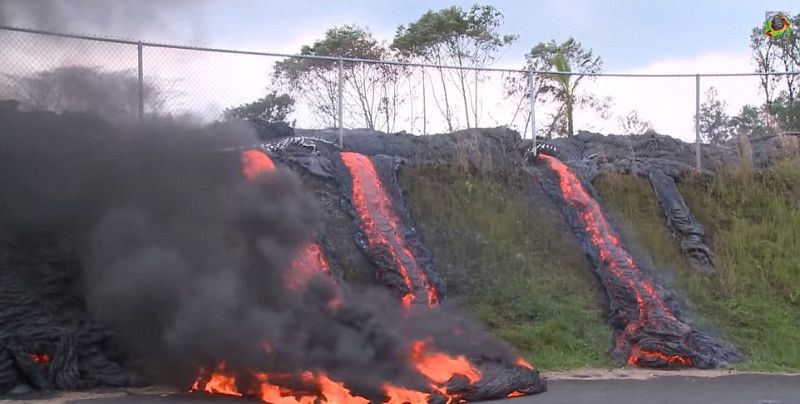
pixel 753 221
pixel 512 263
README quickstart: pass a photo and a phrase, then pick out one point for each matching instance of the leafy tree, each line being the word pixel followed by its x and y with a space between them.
pixel 715 124
pixel 368 88
pixel 751 122
pixel 454 36
pixel 111 94
pixel 631 124
pixel 267 109
pixel 765 55
pixel 567 57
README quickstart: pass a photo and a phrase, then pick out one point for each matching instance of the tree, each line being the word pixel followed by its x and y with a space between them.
pixel 571 63
pixel 113 95
pixel 714 121
pixel 453 36
pixel 765 53
pixel 367 88
pixel 631 124
pixel 264 111
pixel 750 122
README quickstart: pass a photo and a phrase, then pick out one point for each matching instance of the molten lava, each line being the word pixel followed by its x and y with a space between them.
pixel 382 227
pixel 41 359
pixel 255 162
pixel 651 308
pixel 439 367
pixel 220 382
pixel 311 259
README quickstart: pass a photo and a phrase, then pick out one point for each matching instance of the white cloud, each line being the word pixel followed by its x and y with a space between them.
pixel 669 103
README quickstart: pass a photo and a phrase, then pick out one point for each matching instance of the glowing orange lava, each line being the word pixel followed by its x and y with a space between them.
pixel 611 251
pixel 41 359
pixel 439 367
pixel 220 382
pixel 255 162
pixel 382 226
pixel 402 395
pixel 523 363
pixel 310 260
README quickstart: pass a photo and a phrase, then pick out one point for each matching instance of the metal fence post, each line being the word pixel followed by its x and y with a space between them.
pixel 532 96
pixel 141 82
pixel 424 106
pixel 698 159
pixel 341 89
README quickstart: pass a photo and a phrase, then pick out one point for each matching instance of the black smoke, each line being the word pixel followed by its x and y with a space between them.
pixel 185 259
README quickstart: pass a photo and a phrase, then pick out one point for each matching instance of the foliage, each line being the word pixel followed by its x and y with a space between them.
pixel 370 89
pixel 513 263
pixel 111 94
pixel 267 109
pixel 632 124
pixel 751 122
pixel 714 121
pixel 454 36
pixel 567 57
pixel 753 221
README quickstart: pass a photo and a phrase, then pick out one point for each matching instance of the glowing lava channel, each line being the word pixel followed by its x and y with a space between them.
pixel 311 259
pixel 613 256
pixel 382 227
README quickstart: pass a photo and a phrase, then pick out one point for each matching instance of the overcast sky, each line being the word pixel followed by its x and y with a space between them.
pixel 686 36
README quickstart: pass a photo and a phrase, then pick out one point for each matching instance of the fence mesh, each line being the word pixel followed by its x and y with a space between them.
pixel 50 72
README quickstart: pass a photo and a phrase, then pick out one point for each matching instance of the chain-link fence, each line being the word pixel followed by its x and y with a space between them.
pixel 130 80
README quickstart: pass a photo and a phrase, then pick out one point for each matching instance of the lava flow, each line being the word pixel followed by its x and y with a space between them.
pixel 311 259
pixel 651 313
pixel 382 228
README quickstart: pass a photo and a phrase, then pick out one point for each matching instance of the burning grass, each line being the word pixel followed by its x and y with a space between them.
pixel 514 264
pixel 753 222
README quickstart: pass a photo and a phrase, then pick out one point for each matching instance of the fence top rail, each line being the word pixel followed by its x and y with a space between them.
pixel 372 61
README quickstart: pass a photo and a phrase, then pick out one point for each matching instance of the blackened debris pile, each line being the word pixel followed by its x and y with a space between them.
pixel 649 332
pixel 46 339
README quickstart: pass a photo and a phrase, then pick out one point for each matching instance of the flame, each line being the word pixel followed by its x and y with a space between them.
pixel 220 382
pixel 41 359
pixel 612 253
pixel 402 395
pixel 371 201
pixel 439 367
pixel 255 162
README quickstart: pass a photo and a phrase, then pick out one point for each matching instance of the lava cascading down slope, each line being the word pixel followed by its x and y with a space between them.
pixel 386 242
pixel 311 259
pixel 649 332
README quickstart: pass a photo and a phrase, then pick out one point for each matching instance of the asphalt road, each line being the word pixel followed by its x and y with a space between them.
pixel 733 389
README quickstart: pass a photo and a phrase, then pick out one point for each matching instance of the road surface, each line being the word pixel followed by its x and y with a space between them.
pixel 681 389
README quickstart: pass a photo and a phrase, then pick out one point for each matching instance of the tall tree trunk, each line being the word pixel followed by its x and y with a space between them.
pixel 569 115
pixel 461 74
pixel 448 115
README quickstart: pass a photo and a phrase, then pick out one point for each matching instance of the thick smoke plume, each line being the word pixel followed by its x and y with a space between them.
pixel 185 258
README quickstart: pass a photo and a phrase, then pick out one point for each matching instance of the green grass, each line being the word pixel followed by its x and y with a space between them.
pixel 513 264
pixel 753 222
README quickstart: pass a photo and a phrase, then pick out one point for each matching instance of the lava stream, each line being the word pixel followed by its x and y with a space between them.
pixel 382 227
pixel 311 259
pixel 613 256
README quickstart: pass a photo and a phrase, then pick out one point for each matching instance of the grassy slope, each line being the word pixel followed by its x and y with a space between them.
pixel 512 265
pixel 753 221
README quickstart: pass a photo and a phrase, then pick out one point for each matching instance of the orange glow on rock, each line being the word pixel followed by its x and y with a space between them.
pixel 382 226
